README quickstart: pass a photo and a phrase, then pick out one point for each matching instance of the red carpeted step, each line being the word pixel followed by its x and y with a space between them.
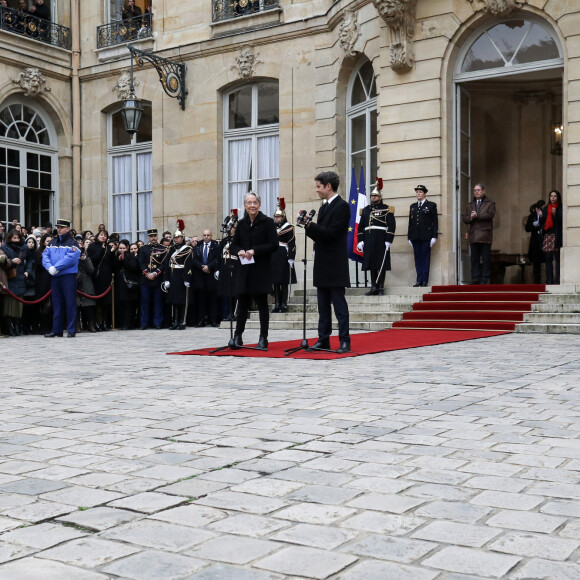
pixel 483 296
pixel 491 288
pixel 455 325
pixel 433 305
pixel 505 316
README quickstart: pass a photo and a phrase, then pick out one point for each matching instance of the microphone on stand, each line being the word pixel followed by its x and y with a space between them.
pixel 309 217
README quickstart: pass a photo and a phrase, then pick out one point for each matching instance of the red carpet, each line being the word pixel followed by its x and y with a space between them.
pixel 364 343
pixel 496 307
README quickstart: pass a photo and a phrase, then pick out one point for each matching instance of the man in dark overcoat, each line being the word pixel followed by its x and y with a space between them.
pixel 376 232
pixel 206 260
pixel 422 233
pixel 479 215
pixel 331 275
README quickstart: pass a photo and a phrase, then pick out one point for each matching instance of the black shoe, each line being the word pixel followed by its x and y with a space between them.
pixel 238 340
pixel 71 334
pixel 424 285
pixel 276 308
pixel 371 292
pixel 53 334
pixel 157 327
pixel 321 345
pixel 417 285
pixel 142 328
pixel 283 308
pixel 174 326
pixel 215 324
pixel 380 292
pixel 262 343
pixel 344 347
pixel 181 327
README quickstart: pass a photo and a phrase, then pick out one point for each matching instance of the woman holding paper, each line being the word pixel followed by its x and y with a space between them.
pixel 254 242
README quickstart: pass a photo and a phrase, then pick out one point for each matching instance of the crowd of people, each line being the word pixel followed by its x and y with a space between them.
pixel 172 281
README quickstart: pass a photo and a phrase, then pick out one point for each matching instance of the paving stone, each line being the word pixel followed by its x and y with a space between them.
pixel 535 546
pixel 323 494
pixel 242 502
pixel 8 524
pixel 502 499
pixel 42 536
pixel 323 537
pixel 99 518
pixel 381 484
pixel 526 521
pixel 159 535
pixel 36 568
pixel 268 486
pixel 470 561
pixel 39 511
pixel 537 568
pixel 562 508
pixel 196 516
pixel 248 525
pixel 571 530
pixel 192 487
pixel 396 504
pixel 314 513
pixel 372 569
pixel 313 476
pixel 221 571
pixel 382 523
pixel 81 496
pixel 456 533
pixel 453 510
pixel 148 502
pixel 154 565
pixel 230 475
pixel 88 552
pixel 234 549
pixel 31 486
pixel 385 548
pixel 13 552
pixel 310 562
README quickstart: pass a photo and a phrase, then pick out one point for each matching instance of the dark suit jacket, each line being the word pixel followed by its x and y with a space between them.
pixel 201 280
pixel 260 236
pixel 423 223
pixel 330 247
pixel 481 227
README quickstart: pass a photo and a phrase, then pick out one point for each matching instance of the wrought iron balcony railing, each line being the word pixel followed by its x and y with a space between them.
pixel 30 26
pixel 121 31
pixel 226 10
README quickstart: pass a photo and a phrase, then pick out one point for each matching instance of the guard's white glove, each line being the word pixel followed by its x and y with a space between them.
pixel 216 274
pixel 166 285
pixel 360 246
pixel 186 284
pixel 536 223
pixel 432 242
pixel 291 263
pixel 52 271
pixel 387 245
pixel 411 243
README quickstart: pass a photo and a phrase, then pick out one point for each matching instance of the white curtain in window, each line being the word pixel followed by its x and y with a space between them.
pixel 144 211
pixel 145 171
pixel 239 171
pixel 268 172
pixel 122 174
pixel 122 213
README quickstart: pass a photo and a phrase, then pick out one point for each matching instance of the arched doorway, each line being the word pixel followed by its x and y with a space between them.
pixel 508 120
pixel 28 165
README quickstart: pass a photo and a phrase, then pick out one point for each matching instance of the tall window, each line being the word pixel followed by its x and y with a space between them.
pixel 28 166
pixel 361 115
pixel 251 145
pixel 130 178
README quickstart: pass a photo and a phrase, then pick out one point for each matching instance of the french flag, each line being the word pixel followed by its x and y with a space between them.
pixel 361 203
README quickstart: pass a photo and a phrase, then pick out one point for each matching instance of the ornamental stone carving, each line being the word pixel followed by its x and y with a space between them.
pixel 400 18
pixel 246 62
pixel 31 81
pixel 497 7
pixel 123 86
pixel 349 31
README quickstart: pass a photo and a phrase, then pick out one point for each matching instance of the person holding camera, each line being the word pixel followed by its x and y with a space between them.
pixel 126 284
pixel 535 253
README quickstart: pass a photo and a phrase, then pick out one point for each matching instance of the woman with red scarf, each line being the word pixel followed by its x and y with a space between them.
pixel 551 222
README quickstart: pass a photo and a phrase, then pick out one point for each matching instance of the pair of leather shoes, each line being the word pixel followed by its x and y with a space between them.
pixel 321 345
pixel 238 340
pixel 344 347
pixel 262 343
pixel 71 334
pixel 417 285
pixel 372 292
pixel 53 334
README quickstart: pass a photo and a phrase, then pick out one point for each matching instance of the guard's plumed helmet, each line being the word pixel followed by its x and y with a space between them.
pixel 281 207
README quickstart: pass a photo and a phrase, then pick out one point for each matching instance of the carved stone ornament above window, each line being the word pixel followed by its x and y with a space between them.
pixel 349 31
pixel 31 81
pixel 123 86
pixel 400 18
pixel 246 62
pixel 497 7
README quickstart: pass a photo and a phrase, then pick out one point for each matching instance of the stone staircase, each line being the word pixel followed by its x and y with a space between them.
pixel 557 312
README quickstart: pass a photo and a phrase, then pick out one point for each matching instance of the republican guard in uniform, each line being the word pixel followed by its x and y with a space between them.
pixel 283 273
pixel 422 233
pixel 375 235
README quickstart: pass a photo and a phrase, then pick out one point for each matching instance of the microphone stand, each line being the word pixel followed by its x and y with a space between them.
pixel 304 343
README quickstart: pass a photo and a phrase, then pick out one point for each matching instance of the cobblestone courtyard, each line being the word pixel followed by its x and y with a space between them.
pixel 457 461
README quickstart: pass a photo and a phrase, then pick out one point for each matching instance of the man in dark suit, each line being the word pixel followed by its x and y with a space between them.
pixel 422 233
pixel 206 258
pixel 479 215
pixel 331 275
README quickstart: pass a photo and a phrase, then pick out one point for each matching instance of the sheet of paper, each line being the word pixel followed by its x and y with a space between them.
pixel 246 261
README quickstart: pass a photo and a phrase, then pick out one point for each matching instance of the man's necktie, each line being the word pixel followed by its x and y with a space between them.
pixel 205 246
pixel 323 209
pixel 478 204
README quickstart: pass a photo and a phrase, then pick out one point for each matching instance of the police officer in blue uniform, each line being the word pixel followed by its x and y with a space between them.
pixel 61 259
pixel 422 233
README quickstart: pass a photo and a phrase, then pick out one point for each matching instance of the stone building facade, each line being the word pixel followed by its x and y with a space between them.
pixel 445 93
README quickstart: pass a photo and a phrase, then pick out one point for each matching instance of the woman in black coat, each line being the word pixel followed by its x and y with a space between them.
pixel 551 222
pixel 102 257
pixel 255 240
pixel 535 253
pixel 127 275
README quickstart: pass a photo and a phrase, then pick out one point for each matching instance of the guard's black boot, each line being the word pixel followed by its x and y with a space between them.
pixel 262 343
pixel 238 340
pixel 372 292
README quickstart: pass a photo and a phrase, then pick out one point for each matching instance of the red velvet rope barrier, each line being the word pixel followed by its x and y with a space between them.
pixel 32 302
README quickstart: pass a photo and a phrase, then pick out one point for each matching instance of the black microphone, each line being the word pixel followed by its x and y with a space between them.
pixel 232 223
pixel 309 217
pixel 300 217
pixel 224 225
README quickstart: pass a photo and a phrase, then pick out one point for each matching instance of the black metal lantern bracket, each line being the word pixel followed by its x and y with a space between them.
pixel 171 74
